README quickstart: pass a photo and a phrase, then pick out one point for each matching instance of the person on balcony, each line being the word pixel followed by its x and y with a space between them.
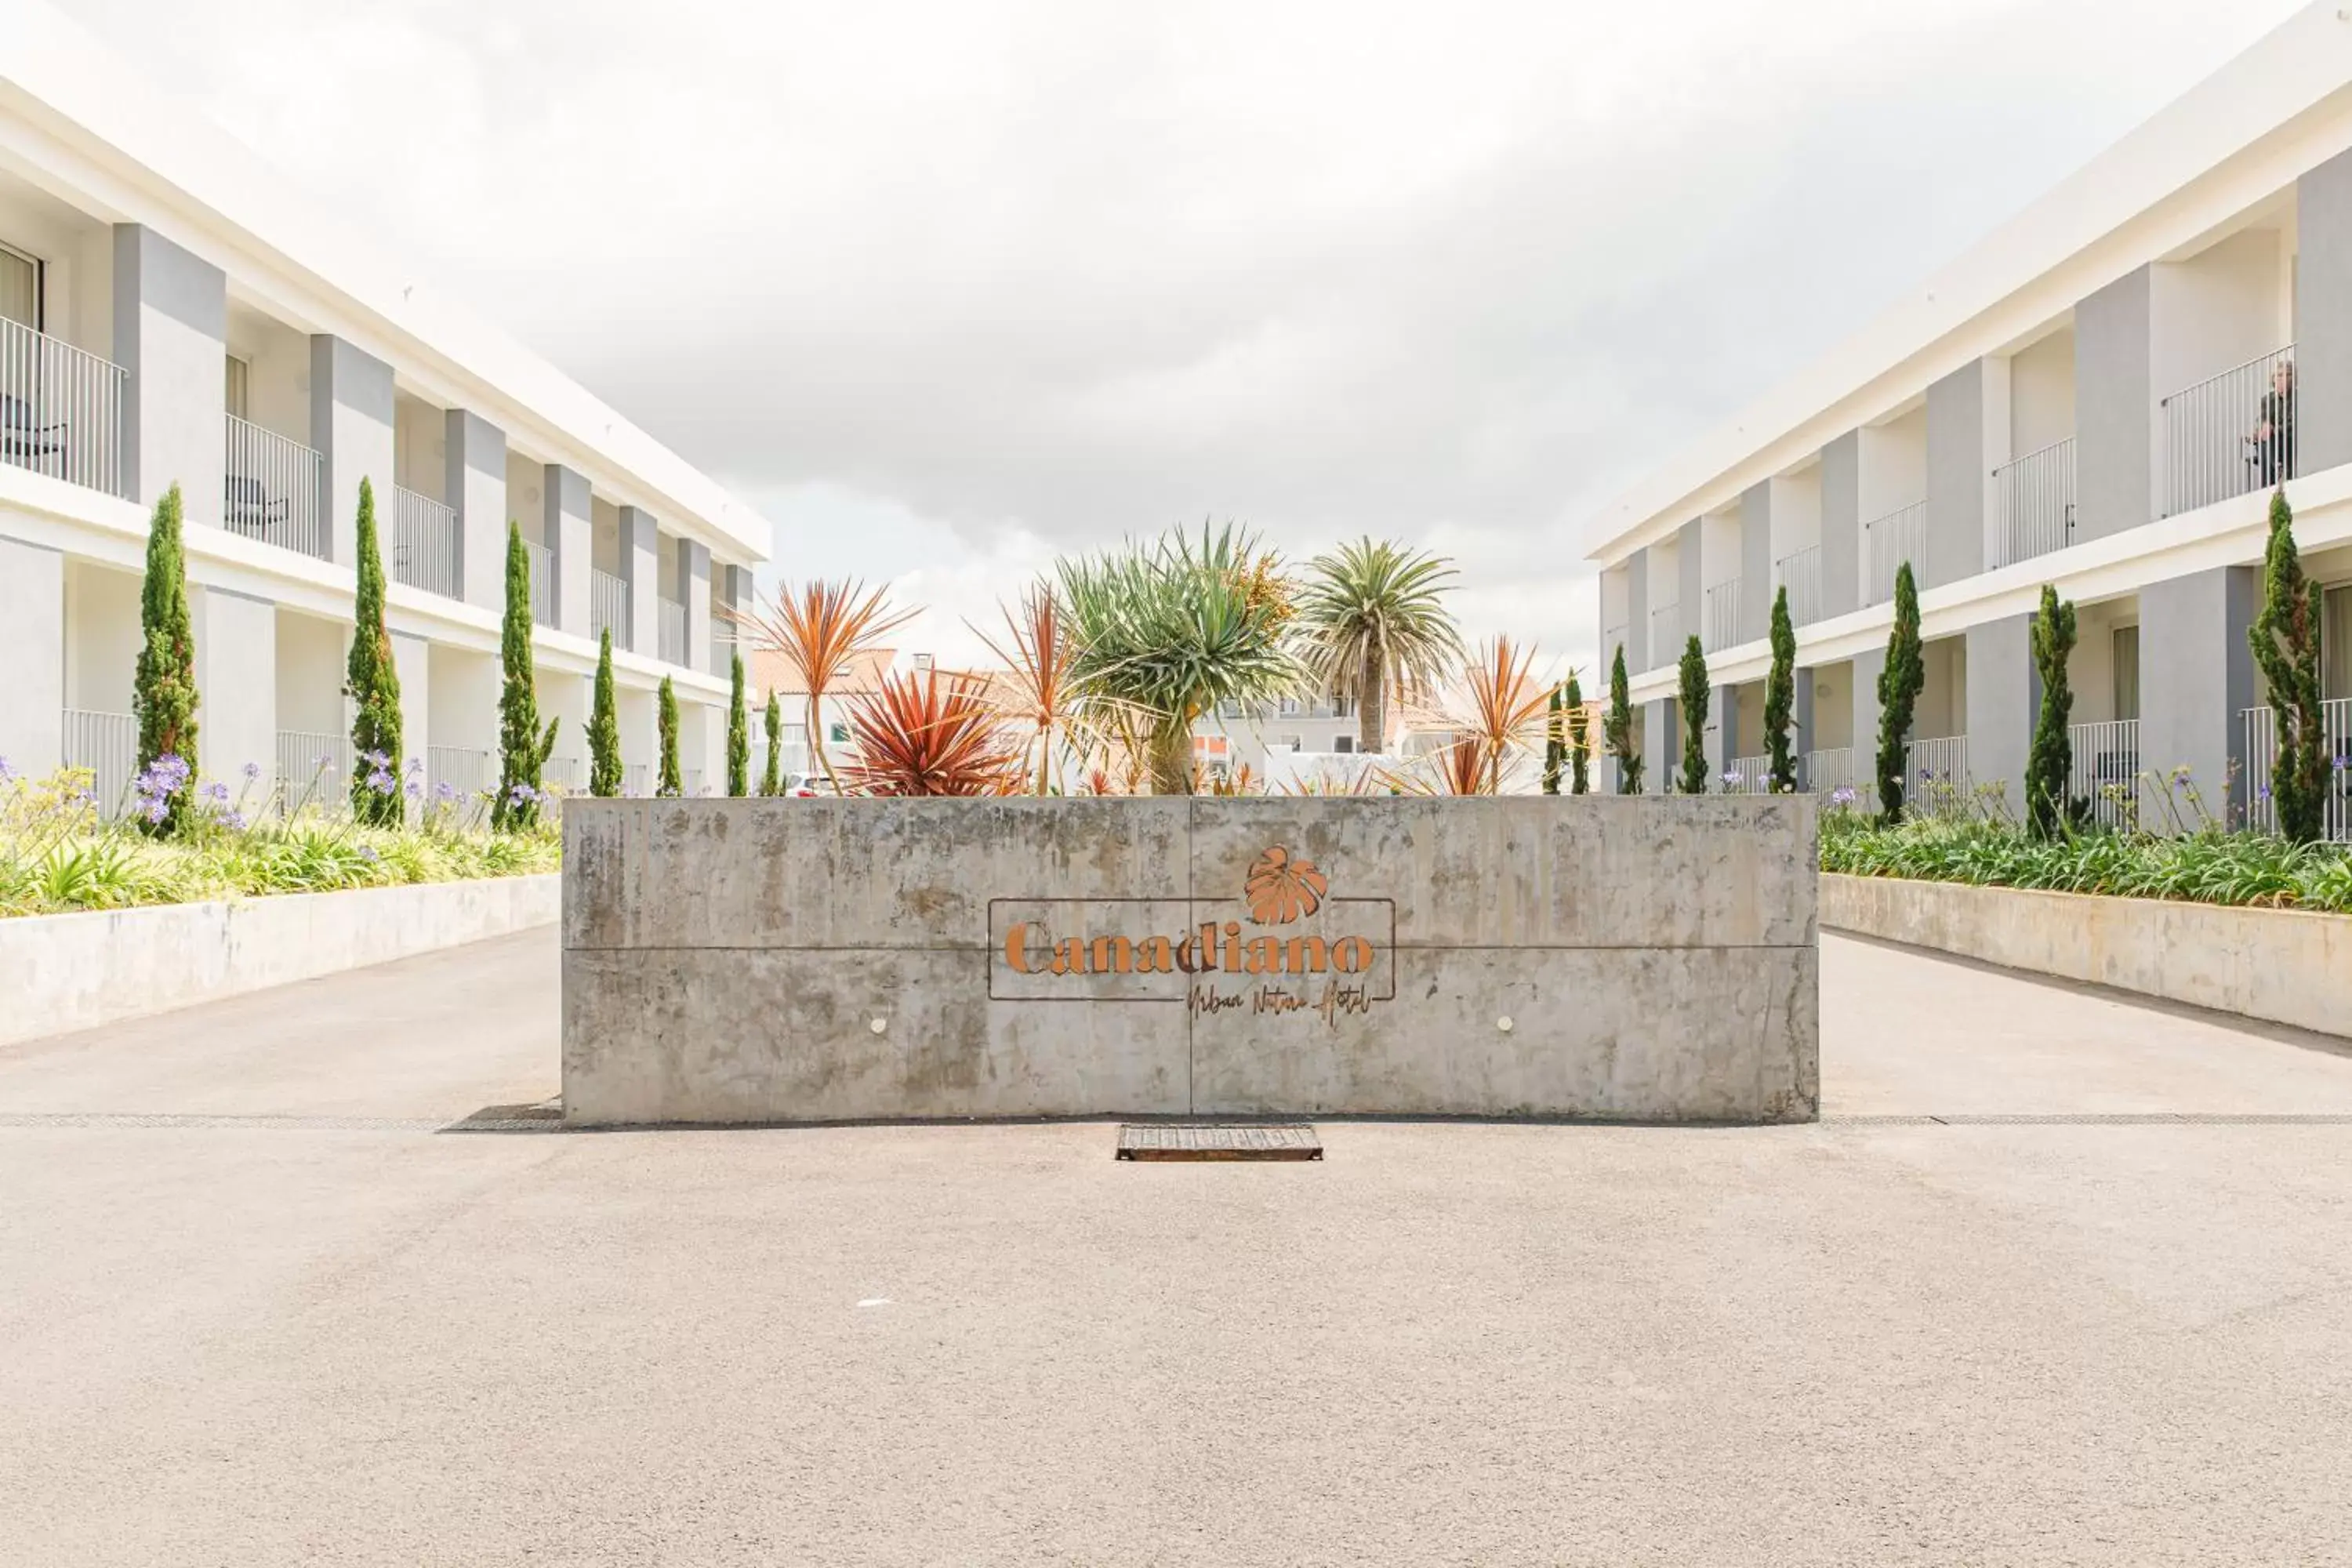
pixel 2273 439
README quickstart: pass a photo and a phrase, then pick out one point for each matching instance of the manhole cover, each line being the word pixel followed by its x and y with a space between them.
pixel 1176 1142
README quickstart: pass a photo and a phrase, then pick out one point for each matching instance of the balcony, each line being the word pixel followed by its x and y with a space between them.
pixel 542 582
pixel 672 641
pixel 1722 624
pixel 108 745
pixel 2225 435
pixel 2261 760
pixel 608 607
pixel 425 545
pixel 2106 769
pixel 1827 772
pixel 1935 777
pixel 1748 775
pixel 61 410
pixel 277 491
pixel 1800 574
pixel 462 776
pixel 2033 500
pixel 1666 636
pixel 1887 543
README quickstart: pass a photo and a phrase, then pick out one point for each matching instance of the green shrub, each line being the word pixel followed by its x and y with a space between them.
pixel 1899 685
pixel 1579 740
pixel 739 732
pixel 372 682
pixel 604 726
pixel 2049 768
pixel 771 781
pixel 1694 703
pixel 1780 696
pixel 1617 728
pixel 164 692
pixel 2285 638
pixel 522 748
pixel 670 786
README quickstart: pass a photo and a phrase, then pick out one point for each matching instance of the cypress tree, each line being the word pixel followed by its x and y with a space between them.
pixel 1579 740
pixel 1694 705
pixel 772 782
pixel 164 697
pixel 2285 638
pixel 372 682
pixel 739 734
pixel 1554 752
pixel 523 749
pixel 1617 728
pixel 669 787
pixel 605 728
pixel 1781 695
pixel 2050 767
pixel 1898 693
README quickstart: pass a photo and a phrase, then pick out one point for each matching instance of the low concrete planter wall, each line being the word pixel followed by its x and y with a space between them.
pixel 2284 966
pixel 748 961
pixel 61 972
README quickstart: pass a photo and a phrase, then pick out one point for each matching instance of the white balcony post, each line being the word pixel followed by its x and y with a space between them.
pixel 1756 562
pixel 474 453
pixel 351 427
pixel 33 651
pixel 641 571
pixel 170 335
pixel 2196 678
pixel 694 591
pixel 236 683
pixel 570 537
pixel 2004 694
pixel 2323 316
pixel 1840 572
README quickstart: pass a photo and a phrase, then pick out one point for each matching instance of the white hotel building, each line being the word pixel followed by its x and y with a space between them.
pixel 171 313
pixel 2075 403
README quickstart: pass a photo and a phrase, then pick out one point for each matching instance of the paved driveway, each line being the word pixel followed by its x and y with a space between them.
pixel 252 1311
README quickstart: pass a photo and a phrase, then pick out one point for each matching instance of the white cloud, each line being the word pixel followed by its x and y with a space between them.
pixel 947 287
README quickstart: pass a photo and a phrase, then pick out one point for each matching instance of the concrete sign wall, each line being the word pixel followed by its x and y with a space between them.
pixel 747 961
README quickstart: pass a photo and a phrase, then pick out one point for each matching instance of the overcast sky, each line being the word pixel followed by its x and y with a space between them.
pixel 944 289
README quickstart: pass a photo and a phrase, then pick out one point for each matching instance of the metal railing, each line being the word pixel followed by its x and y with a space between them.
pixel 2334 762
pixel 2034 498
pixel 425 545
pixel 2230 433
pixel 276 491
pixel 61 410
pixel 1666 636
pixel 692 782
pixel 1800 573
pixel 542 582
pixel 468 772
pixel 608 607
pixel 722 651
pixel 1935 777
pixel 569 775
pixel 313 769
pixel 2106 770
pixel 1887 543
pixel 107 744
pixel 1829 771
pixel 672 630
pixel 1723 618
pixel 1747 776
pixel 636 779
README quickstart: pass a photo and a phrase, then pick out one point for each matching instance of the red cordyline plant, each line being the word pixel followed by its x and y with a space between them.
pixel 1037 667
pixel 1505 710
pixel 820 627
pixel 932 733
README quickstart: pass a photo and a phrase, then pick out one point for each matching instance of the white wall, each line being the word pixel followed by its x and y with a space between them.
pixel 101 646
pixel 236 683
pixel 32 652
pixel 463 703
pixel 2042 394
pixel 526 504
pixel 78 251
pixel 1894 464
pixel 411 660
pixel 1796 512
pixel 419 442
pixel 2216 309
pixel 604 538
pixel 1833 708
pixel 277 386
pixel 1718 550
pixel 312 654
pixel 1944 699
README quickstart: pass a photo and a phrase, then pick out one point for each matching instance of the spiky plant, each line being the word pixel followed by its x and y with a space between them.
pixel 523 749
pixel 604 726
pixel 1780 696
pixel 1502 706
pixel 1579 740
pixel 2285 638
pixel 1171 627
pixel 1899 685
pixel 671 785
pixel 1039 655
pixel 1694 700
pixel 930 734
pixel 822 627
pixel 2050 767
pixel 1372 623
pixel 771 781
pixel 164 693
pixel 1617 728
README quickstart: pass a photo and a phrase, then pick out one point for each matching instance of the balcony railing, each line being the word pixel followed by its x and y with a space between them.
pixel 425 546
pixel 672 644
pixel 2033 499
pixel 2262 761
pixel 608 607
pixel 107 744
pixel 1747 776
pixel 1800 574
pixel 313 770
pixel 1827 772
pixel 1935 777
pixel 276 491
pixel 61 410
pixel 1666 636
pixel 2230 433
pixel 1887 543
pixel 461 778
pixel 2106 770
pixel 542 582
pixel 636 780
pixel 1723 618
pixel 569 775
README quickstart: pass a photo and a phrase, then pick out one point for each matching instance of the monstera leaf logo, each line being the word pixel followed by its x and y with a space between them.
pixel 1282 887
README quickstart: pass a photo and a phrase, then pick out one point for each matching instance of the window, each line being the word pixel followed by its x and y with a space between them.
pixel 1295 742
pixel 1343 745
pixel 836 734
pixel 20 288
pixel 1290 707
pixel 240 375
pixel 1343 707
pixel 2126 672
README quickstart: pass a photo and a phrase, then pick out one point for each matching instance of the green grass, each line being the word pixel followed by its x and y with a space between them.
pixel 2209 867
pixel 58 856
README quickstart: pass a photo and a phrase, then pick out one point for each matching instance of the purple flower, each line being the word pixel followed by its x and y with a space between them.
pixel 2264 792
pixel 235 822
pixel 216 791
pixel 416 765
pixel 444 792
pixel 380 782
pixel 7 773
pixel 368 854
pixel 416 790
pixel 1842 795
pixel 252 771
pixel 1733 779
pixel 157 809
pixel 376 760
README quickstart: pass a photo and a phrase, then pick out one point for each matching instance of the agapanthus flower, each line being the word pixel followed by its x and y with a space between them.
pixel 380 782
pixel 252 771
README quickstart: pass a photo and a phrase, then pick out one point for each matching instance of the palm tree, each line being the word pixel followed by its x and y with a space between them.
pixel 1171 629
pixel 1372 621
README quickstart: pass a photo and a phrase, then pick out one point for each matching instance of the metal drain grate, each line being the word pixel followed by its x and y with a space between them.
pixel 1163 1141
